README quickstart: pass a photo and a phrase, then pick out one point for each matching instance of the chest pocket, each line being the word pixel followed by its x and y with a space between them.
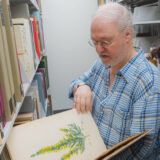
pixel 117 109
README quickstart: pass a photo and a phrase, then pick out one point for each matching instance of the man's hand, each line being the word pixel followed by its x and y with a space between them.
pixel 83 99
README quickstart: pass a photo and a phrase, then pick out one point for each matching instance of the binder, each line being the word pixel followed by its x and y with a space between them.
pixel 43 33
pixel 38 18
pixel 42 70
pixel 38 103
pixel 44 64
pixel 5 85
pixel 28 104
pixel 12 50
pixel 39 78
pixel 7 58
pixel 2 112
pixel 35 35
pixel 21 10
pixel 24 45
pixel 34 90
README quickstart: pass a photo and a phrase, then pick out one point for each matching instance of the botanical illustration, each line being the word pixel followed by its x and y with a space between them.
pixel 74 140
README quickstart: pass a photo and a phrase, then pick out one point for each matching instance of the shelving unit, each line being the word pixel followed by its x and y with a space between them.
pixel 33 6
pixel 9 124
pixel 146 17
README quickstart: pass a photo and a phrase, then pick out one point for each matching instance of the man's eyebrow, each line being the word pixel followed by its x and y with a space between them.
pixel 109 37
pixel 104 38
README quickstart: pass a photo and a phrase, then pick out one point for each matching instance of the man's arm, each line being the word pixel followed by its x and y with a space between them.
pixel 146 116
pixel 82 94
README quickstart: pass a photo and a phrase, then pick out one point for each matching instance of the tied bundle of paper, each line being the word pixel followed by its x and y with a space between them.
pixel 64 136
pixel 23 118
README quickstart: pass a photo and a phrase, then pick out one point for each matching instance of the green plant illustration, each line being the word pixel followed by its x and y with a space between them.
pixel 74 140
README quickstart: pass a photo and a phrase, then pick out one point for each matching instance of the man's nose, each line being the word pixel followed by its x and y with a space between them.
pixel 99 48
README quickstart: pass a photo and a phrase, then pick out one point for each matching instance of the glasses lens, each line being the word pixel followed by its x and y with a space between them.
pixel 91 43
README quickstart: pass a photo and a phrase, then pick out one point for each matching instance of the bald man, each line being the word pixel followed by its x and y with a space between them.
pixel 122 88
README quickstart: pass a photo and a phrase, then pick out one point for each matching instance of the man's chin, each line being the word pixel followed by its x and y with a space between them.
pixel 105 62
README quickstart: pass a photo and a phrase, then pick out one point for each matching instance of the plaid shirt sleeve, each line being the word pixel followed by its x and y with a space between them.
pixel 146 115
pixel 87 78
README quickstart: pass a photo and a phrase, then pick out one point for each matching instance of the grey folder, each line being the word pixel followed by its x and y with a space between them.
pixel 28 104
pixel 39 78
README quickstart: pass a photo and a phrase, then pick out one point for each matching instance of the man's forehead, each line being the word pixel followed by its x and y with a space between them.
pixel 104 26
pixel 104 23
pixel 103 20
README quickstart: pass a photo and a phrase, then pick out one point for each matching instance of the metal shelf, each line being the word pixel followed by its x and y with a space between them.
pixel 33 6
pixel 147 22
pixel 136 3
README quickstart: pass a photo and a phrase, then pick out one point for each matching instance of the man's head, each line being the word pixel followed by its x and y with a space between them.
pixel 111 33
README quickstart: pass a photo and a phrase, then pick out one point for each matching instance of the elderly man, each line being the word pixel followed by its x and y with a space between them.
pixel 122 88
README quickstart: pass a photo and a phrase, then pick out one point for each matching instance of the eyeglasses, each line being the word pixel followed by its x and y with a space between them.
pixel 103 44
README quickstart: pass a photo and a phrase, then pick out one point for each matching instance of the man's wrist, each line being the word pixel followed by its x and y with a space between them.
pixel 77 86
pixel 81 84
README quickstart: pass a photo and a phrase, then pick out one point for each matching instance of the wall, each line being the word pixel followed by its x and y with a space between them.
pixel 67 31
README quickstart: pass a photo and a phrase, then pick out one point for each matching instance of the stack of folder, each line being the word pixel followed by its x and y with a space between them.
pixel 23 118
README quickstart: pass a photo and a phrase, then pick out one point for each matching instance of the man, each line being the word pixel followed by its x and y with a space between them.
pixel 122 89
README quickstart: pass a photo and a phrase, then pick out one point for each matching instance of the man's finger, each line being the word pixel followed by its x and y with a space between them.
pixel 74 105
pixel 83 105
pixel 88 104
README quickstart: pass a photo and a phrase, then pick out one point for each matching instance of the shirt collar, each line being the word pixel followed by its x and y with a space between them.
pixel 128 71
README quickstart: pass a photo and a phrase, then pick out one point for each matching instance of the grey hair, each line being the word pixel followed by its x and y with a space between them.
pixel 113 11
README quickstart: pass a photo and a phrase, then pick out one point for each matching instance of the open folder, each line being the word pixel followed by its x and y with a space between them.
pixel 62 136
pixel 116 149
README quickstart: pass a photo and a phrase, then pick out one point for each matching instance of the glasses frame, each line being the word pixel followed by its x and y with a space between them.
pixel 104 44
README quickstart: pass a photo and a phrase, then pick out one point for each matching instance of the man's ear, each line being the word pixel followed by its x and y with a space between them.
pixel 128 35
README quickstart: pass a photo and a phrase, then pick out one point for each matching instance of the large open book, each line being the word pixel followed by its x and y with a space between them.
pixel 63 136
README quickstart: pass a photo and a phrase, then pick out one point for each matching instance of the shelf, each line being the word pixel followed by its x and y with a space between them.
pixel 33 6
pixel 9 124
pixel 136 3
pixel 147 22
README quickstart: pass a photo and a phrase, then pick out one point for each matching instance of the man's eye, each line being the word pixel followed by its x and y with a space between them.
pixel 95 43
pixel 105 43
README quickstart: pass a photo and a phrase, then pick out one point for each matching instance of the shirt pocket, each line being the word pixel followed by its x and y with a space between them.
pixel 116 112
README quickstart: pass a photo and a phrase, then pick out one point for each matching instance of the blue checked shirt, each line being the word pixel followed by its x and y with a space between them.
pixel 131 107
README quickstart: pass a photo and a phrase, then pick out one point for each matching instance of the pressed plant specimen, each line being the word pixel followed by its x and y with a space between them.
pixel 73 139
